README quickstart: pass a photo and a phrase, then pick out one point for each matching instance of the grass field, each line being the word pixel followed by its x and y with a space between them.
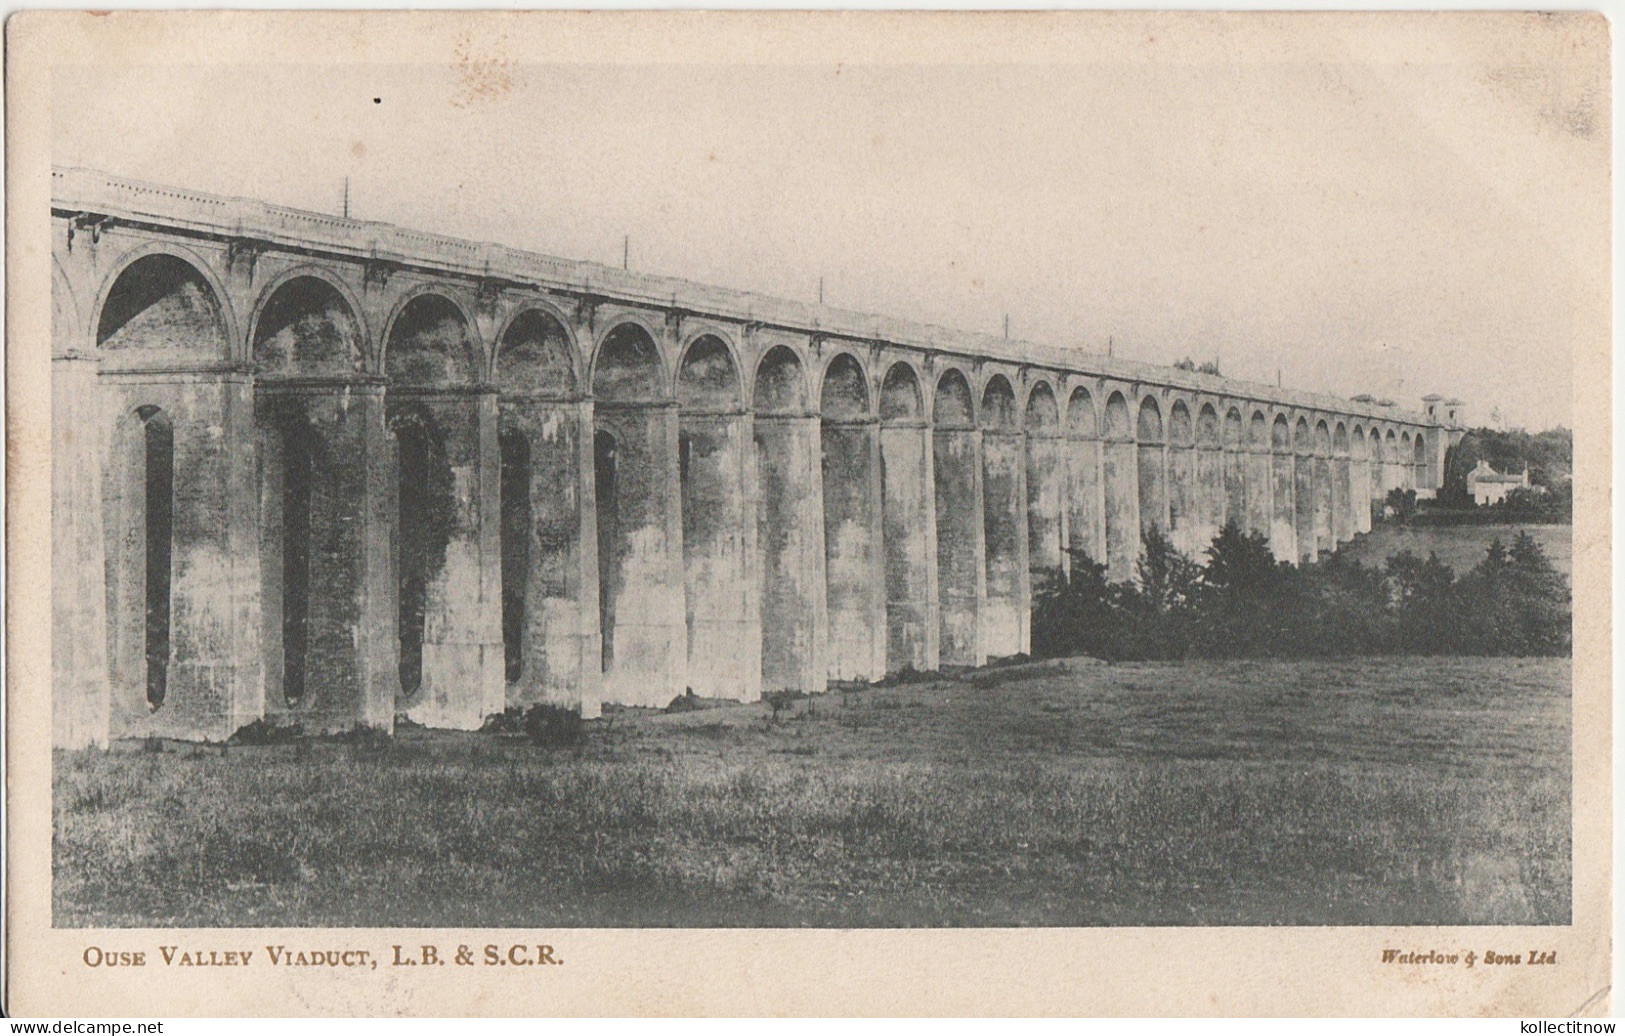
pixel 1459 546
pixel 1374 791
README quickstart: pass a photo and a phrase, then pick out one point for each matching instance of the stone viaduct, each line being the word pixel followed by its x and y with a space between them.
pixel 328 472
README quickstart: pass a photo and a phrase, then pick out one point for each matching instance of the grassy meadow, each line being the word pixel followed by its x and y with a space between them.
pixel 1459 546
pixel 1069 793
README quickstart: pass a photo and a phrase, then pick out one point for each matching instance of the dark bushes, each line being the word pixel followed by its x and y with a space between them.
pixel 1243 604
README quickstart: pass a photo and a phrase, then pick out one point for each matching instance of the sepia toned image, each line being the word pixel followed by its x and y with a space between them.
pixel 528 488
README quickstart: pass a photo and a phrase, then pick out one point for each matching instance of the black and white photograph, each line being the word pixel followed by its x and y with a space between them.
pixel 1120 476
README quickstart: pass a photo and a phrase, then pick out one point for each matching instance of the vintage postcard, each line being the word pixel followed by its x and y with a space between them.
pixel 808 513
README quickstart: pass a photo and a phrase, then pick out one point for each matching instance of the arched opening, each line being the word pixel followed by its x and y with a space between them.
pixel 640 520
pixel 535 358
pixel 852 533
pixel 781 384
pixel 1420 478
pixel 1152 469
pixel 789 526
pixel 723 631
pixel 1004 524
pixel 307 328
pixel 900 394
pixel 161 310
pixel 1080 414
pixel 517 525
pixel 158 527
pixel 708 379
pixel 430 345
pixel 1407 473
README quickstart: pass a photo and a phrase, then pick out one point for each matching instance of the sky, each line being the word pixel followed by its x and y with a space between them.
pixel 1404 213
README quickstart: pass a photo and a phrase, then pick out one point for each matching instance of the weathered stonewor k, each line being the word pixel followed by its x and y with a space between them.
pixel 331 472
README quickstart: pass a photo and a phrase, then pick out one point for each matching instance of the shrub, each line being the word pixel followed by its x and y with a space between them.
pixel 554 725
pixel 1242 603
pixel 260 732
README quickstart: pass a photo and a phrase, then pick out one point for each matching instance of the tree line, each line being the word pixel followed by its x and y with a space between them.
pixel 1239 602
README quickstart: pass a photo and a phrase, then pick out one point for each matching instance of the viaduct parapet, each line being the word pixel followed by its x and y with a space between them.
pixel 330 472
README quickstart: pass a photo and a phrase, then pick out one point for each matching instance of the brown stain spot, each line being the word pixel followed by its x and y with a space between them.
pixel 481 76
pixel 358 149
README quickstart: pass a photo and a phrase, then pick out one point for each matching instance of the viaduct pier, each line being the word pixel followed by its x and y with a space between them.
pixel 329 472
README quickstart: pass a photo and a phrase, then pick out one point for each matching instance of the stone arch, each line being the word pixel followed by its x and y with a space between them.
pixel 1148 428
pixel 1180 431
pixel 536 355
pixel 1118 423
pixel 1323 439
pixel 1258 430
pixel 708 377
pixel 1281 435
pixel 953 406
pixel 1207 426
pixel 1043 415
pixel 999 404
pixel 1080 413
pixel 781 383
pixel 844 392
pixel 1358 446
pixel 161 302
pixel 627 367
pixel 430 343
pixel 1302 437
pixel 1234 430
pixel 1340 440
pixel 1419 446
pixel 308 325
pixel 900 397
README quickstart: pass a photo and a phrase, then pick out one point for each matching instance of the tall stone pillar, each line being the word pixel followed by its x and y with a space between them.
pixel 790 536
pixel 961 544
pixel 1122 507
pixel 1210 496
pixel 1360 487
pixel 327 502
pixel 209 654
pixel 909 516
pixel 1086 504
pixel 1283 509
pixel 1325 518
pixel 854 547
pixel 1184 517
pixel 1342 496
pixel 1153 478
pixel 1046 496
pixel 640 539
pixel 1006 619
pixel 1304 498
pixel 555 556
pixel 450 555
pixel 1257 466
pixel 79 675
pixel 721 585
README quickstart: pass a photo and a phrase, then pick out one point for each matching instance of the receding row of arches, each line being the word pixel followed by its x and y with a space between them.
pixel 525 538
